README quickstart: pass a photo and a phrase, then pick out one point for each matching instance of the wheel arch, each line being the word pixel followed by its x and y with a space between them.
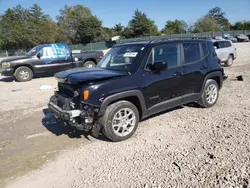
pixel 217 76
pixel 23 65
pixel 90 59
pixel 134 96
pixel 232 55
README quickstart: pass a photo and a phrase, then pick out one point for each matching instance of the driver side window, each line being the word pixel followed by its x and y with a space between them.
pixel 165 53
pixel 47 52
pixel 48 55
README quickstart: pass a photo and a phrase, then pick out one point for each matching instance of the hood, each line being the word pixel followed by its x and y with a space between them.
pixel 9 59
pixel 77 75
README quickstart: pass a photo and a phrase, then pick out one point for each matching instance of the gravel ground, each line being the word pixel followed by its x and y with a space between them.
pixel 185 147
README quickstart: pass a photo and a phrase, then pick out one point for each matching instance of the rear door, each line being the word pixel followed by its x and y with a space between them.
pixel 231 48
pixel 195 67
pixel 222 50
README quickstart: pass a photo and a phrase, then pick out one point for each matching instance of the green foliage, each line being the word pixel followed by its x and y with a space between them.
pixel 219 16
pixel 89 30
pixel 140 26
pixel 127 33
pixel 25 28
pixel 41 28
pixel 79 25
pixel 107 33
pixel 118 29
pixel 175 27
pixel 241 25
pixel 205 24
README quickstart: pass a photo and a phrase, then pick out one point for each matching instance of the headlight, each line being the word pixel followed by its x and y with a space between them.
pixel 5 65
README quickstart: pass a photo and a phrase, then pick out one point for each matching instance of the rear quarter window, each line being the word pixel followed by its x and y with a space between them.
pixel 205 49
pixel 228 44
pixel 192 52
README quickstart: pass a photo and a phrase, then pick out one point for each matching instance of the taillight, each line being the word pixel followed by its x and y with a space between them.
pixel 101 56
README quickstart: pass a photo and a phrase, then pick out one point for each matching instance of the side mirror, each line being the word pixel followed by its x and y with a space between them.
pixel 38 55
pixel 159 66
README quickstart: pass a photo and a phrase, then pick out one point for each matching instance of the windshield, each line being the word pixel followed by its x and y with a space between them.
pixel 228 35
pixel 34 51
pixel 122 58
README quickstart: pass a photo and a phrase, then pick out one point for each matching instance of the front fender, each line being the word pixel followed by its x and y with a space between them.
pixel 122 95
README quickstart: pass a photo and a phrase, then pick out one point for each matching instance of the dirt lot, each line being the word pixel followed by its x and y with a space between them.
pixel 185 147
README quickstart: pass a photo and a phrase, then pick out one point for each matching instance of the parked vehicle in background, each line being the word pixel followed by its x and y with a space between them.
pixel 134 81
pixel 229 37
pixel 225 51
pixel 47 59
pixel 218 38
pixel 242 38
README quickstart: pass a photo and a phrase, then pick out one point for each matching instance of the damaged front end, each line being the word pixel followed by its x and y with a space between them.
pixel 66 106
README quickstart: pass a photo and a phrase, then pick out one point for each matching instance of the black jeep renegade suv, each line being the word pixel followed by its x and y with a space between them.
pixel 134 81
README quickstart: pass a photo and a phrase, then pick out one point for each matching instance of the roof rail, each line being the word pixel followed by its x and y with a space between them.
pixel 180 38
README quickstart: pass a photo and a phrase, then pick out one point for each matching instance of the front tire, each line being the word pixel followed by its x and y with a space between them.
pixel 120 121
pixel 210 94
pixel 89 64
pixel 23 74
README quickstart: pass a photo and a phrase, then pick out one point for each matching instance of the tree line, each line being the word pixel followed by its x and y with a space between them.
pixel 25 28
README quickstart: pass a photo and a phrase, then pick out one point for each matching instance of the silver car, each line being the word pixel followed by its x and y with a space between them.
pixel 242 38
pixel 225 51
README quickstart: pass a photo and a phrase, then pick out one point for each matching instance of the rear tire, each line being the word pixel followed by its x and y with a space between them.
pixel 89 64
pixel 210 94
pixel 229 61
pixel 23 74
pixel 120 121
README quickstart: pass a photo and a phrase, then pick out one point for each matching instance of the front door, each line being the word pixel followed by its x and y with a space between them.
pixel 163 90
pixel 48 60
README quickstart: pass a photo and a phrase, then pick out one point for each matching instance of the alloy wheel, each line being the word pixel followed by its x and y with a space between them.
pixel 124 122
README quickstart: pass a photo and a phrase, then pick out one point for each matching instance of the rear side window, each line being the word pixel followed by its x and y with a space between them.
pixel 205 49
pixel 223 44
pixel 191 52
pixel 228 44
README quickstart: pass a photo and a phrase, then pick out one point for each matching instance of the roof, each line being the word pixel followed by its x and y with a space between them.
pixel 134 42
pixel 219 40
pixel 156 41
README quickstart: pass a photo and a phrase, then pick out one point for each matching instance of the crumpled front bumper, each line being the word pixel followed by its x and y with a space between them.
pixel 82 116
pixel 65 115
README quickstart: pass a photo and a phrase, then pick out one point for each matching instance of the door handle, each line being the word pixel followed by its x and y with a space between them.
pixel 177 74
pixel 203 67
